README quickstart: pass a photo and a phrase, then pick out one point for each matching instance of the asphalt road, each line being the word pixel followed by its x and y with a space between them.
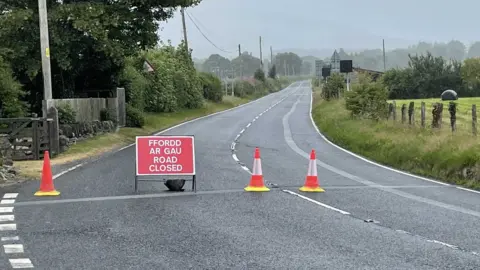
pixel 416 224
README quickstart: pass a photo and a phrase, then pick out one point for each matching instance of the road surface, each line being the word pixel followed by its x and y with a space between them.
pixel 369 217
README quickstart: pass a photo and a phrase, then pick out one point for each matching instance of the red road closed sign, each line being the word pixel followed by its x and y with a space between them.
pixel 165 155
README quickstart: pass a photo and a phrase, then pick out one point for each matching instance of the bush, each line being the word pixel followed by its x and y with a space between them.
pixel 212 86
pixel 108 115
pixel 66 114
pixel 135 117
pixel 367 99
pixel 259 75
pixel 334 87
pixel 135 83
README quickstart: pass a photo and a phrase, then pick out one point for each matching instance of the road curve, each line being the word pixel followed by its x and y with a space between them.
pixel 96 225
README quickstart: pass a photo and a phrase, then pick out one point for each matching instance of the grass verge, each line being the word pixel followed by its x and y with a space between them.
pixel 107 142
pixel 453 158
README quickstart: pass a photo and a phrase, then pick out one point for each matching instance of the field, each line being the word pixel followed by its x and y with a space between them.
pixel 453 158
pixel 464 112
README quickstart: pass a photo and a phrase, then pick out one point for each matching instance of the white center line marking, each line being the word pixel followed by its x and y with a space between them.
pixel 10 195
pixel 13 248
pixel 8 227
pixel 317 202
pixel 4 218
pixel 21 263
pixel 10 238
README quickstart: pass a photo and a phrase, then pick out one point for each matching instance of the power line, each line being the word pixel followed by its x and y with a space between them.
pixel 198 28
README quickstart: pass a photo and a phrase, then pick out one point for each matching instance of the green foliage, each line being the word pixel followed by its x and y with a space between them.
pixel 334 87
pixel 108 115
pixel 135 117
pixel 89 41
pixel 259 75
pixel 10 93
pixel 272 72
pixel 66 114
pixel 367 99
pixel 212 87
pixel 134 82
pixel 291 63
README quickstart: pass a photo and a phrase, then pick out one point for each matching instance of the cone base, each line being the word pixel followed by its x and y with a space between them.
pixel 47 193
pixel 256 189
pixel 312 189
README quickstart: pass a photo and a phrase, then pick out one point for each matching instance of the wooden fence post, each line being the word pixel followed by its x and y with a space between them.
pixel 474 119
pixel 411 113
pixel 452 108
pixel 404 113
pixel 436 115
pixel 440 116
pixel 422 114
pixel 394 111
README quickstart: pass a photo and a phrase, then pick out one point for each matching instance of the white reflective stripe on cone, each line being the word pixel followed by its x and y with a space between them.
pixel 314 167
pixel 257 167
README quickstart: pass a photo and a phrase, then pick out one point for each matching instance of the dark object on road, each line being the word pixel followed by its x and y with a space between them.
pixel 449 95
pixel 175 185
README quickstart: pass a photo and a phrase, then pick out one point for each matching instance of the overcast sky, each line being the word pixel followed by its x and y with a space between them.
pixel 317 24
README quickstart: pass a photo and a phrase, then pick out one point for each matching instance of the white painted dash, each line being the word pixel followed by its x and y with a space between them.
pixel 13 248
pixel 6 209
pixel 10 195
pixel 249 124
pixel 8 227
pixel 10 238
pixel 21 263
pixel 4 218
pixel 241 131
pixel 235 158
pixel 7 201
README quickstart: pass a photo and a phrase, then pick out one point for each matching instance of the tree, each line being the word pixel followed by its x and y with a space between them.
pixel 246 64
pixel 272 73
pixel 288 63
pixel 367 99
pixel 470 73
pixel 216 62
pixel 10 93
pixel 89 41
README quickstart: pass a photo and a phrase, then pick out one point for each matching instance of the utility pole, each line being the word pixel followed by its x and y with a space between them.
pixel 184 25
pixel 45 50
pixel 261 57
pixel 384 63
pixel 271 57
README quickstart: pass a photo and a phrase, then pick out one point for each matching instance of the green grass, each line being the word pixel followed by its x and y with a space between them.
pixel 104 143
pixel 438 154
pixel 464 112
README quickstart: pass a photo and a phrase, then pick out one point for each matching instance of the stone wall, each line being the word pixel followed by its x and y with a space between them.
pixel 71 133
pixel 7 171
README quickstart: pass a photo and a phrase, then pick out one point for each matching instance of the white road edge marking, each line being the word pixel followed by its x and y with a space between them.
pixel 4 218
pixel 21 263
pixel 362 158
pixel 317 202
pixel 13 248
pixel 467 189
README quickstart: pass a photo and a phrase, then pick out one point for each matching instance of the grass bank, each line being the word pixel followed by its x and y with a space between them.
pixel 107 142
pixel 453 158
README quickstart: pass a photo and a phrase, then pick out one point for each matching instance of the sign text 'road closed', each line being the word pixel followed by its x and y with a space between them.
pixel 165 155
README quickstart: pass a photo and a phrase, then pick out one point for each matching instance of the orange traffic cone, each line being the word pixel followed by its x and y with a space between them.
pixel 311 183
pixel 46 186
pixel 256 181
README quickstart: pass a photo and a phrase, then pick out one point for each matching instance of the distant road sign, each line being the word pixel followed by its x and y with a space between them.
pixel 165 155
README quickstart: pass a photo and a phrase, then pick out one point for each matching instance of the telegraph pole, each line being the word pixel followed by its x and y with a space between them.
pixel 384 62
pixel 271 57
pixel 184 25
pixel 45 50
pixel 261 57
